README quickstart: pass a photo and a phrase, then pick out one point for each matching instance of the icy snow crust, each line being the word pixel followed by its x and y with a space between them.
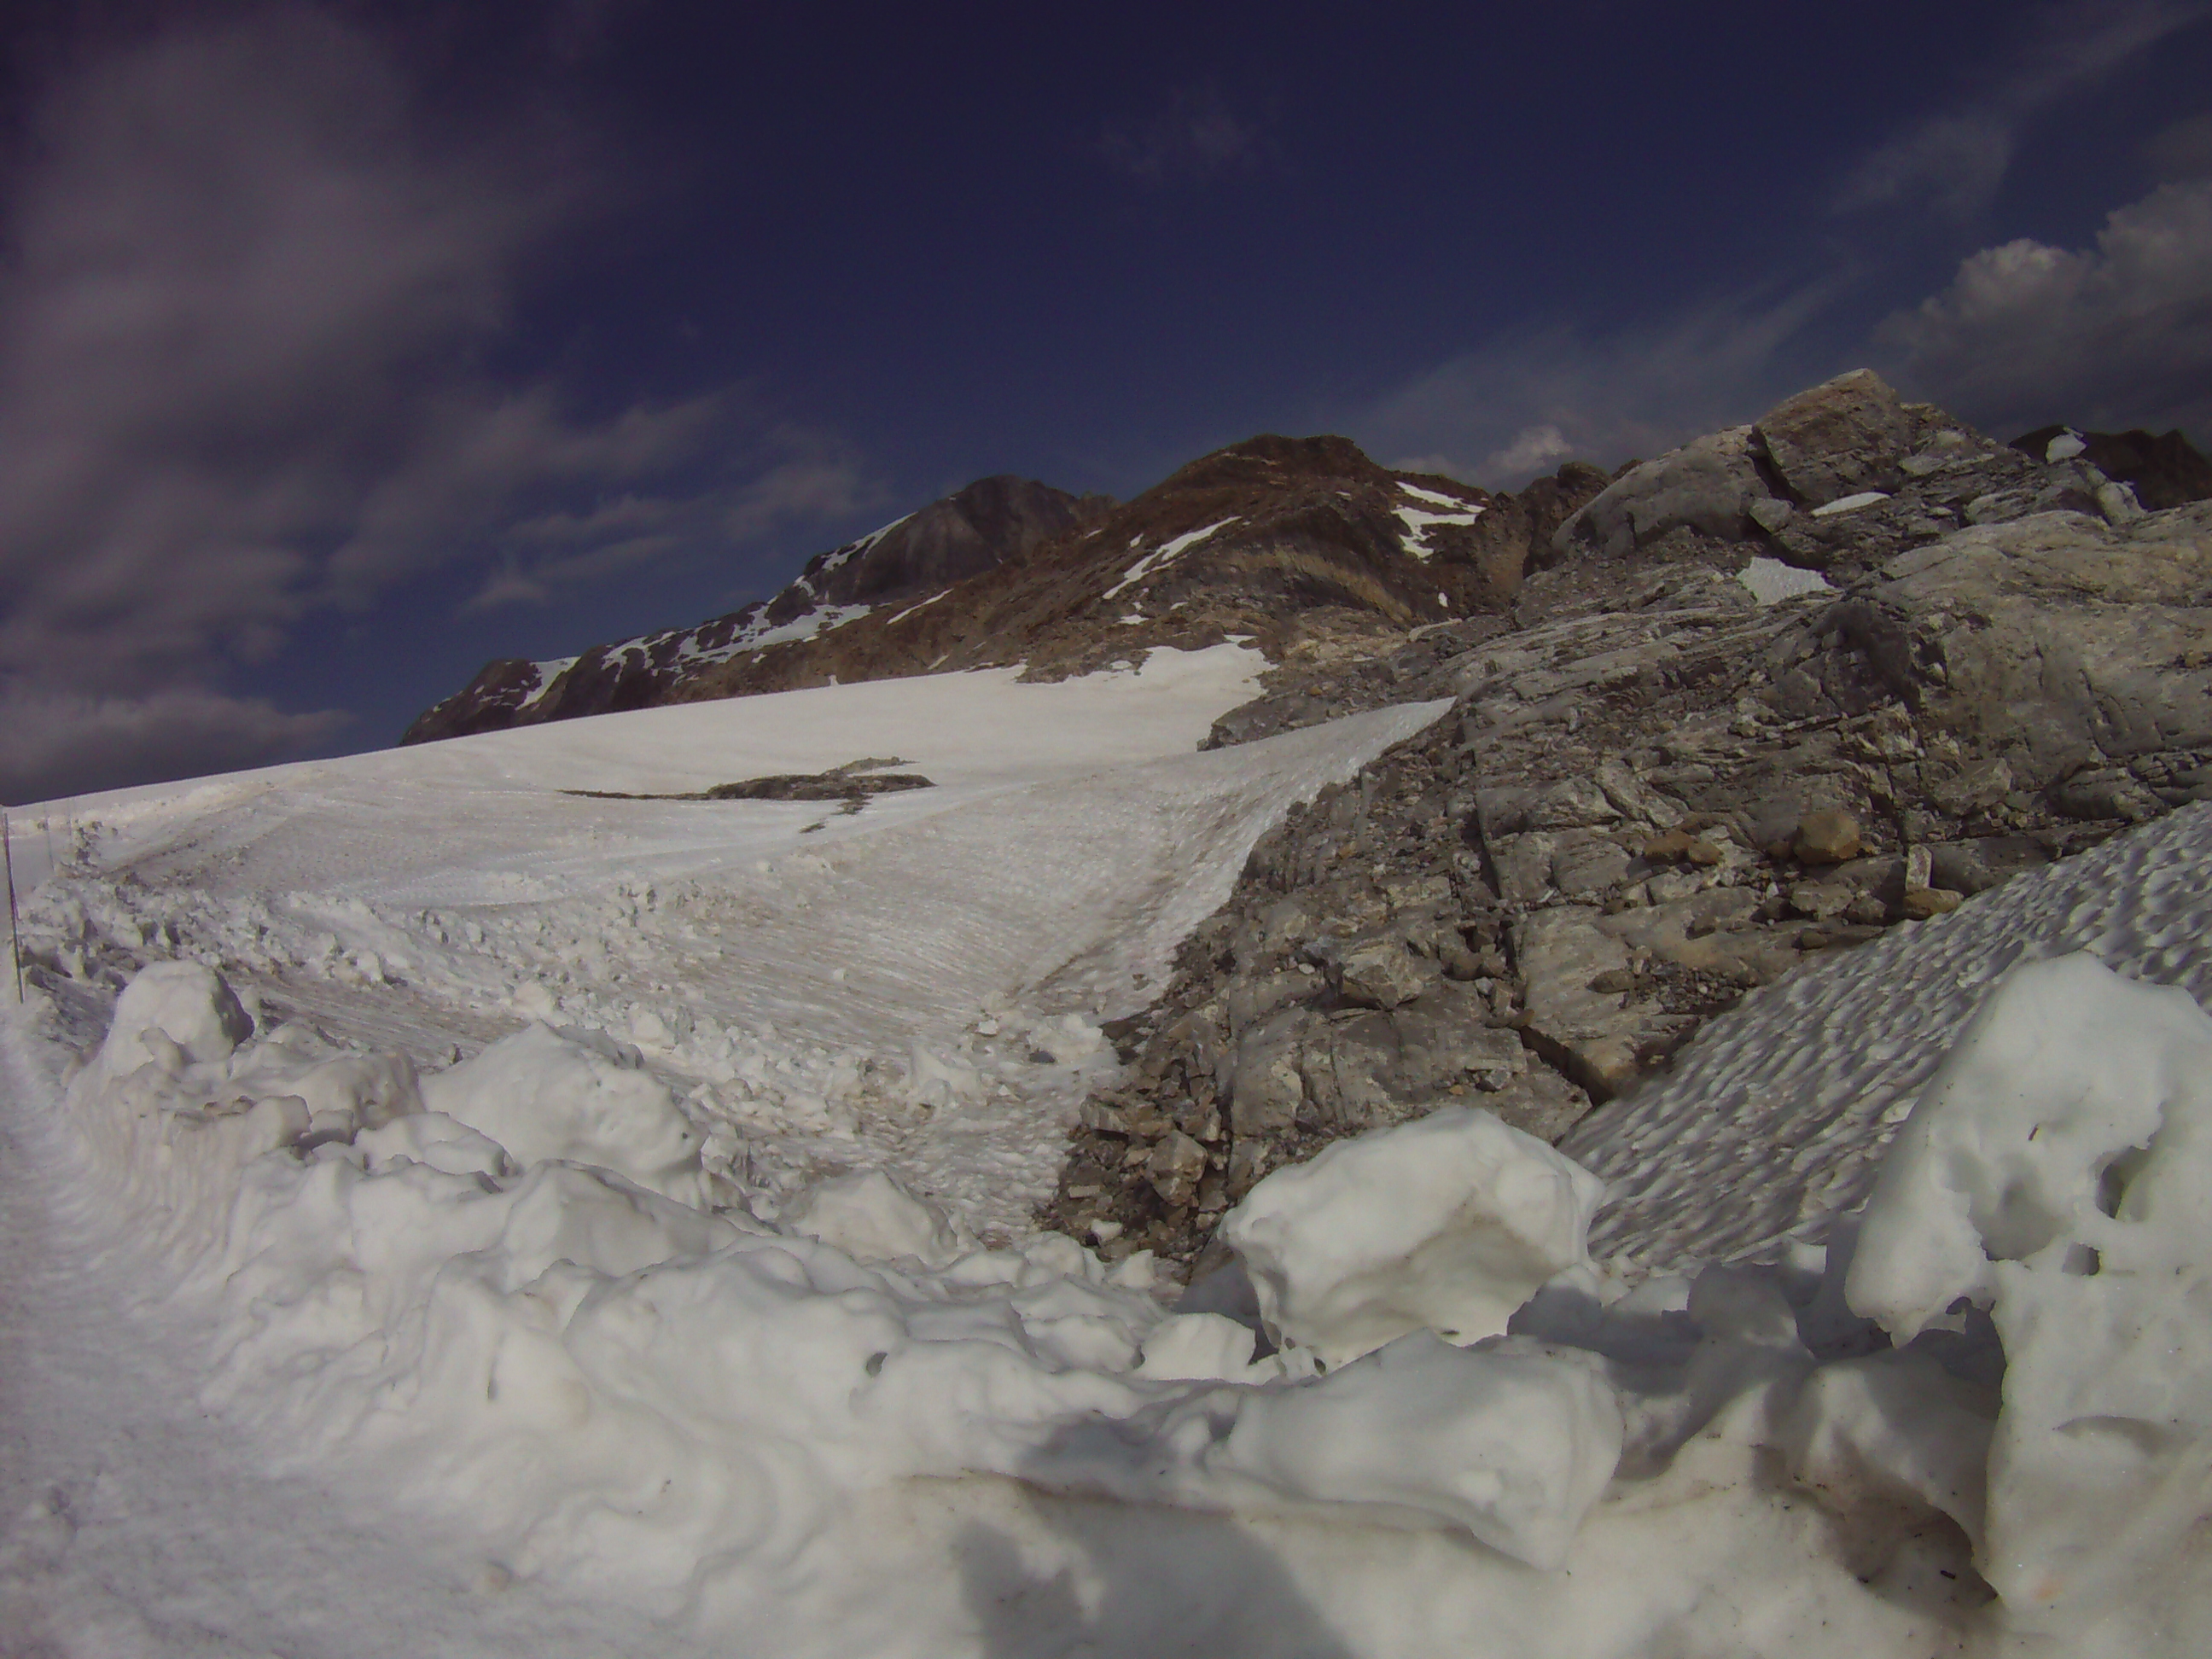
pixel 610 1333
pixel 1786 1102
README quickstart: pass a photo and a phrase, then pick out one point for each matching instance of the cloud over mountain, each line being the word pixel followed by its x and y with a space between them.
pixel 245 349
pixel 2115 335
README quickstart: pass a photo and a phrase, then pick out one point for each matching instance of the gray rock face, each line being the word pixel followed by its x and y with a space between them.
pixel 1655 793
pixel 2056 643
pixel 1839 478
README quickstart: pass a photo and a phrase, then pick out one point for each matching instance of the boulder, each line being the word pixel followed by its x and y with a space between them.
pixel 1589 1034
pixel 1841 438
pixel 1380 970
pixel 1265 1092
pixel 1708 485
pixel 1350 1070
pixel 1826 837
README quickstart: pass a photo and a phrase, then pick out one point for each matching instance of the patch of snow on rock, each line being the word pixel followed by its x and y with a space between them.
pixel 1165 554
pixel 1848 503
pixel 1771 581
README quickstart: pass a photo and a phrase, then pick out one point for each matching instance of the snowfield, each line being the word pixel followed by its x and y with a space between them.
pixel 493 1219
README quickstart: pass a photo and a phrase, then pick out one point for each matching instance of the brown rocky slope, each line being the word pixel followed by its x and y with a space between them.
pixel 1283 541
pixel 1304 545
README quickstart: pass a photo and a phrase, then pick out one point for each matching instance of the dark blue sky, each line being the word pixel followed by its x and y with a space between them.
pixel 344 347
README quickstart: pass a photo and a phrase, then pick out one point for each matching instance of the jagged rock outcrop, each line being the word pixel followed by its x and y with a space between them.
pixel 1838 478
pixel 1677 771
pixel 970 532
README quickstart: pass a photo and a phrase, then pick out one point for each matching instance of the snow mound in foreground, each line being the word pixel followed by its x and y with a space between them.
pixel 1479 1215
pixel 629 1393
pixel 2056 1172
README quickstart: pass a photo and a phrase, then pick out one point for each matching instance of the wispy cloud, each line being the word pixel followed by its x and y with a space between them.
pixel 1954 161
pixel 2120 334
pixel 2183 150
pixel 1532 397
pixel 1194 135
pixel 242 338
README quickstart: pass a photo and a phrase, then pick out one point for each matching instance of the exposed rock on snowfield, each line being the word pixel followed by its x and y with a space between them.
pixel 851 783
pixel 1658 791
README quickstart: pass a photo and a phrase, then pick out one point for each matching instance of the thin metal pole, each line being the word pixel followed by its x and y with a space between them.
pixel 14 944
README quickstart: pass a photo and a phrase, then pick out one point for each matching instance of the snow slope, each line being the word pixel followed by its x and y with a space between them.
pixel 525 1277
pixel 812 981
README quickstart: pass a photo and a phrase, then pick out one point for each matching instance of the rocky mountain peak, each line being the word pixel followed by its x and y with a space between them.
pixel 970 531
pixel 1295 542
pixel 1269 461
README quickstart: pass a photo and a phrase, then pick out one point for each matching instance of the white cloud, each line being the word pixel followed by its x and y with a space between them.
pixel 505 588
pixel 1530 399
pixel 1192 135
pixel 1535 449
pixel 2120 334
pixel 1954 161
pixel 251 288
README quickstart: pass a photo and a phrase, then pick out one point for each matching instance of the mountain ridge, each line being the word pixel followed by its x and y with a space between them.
pixel 1275 539
pixel 1310 550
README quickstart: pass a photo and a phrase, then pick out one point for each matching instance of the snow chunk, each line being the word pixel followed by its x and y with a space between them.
pixel 1198 1347
pixel 2054 1170
pixel 1850 503
pixel 871 1218
pixel 574 1095
pixel 2063 447
pixel 366 1091
pixel 1449 1222
pixel 1771 581
pixel 437 1142
pixel 173 1013
pixel 1513 1442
